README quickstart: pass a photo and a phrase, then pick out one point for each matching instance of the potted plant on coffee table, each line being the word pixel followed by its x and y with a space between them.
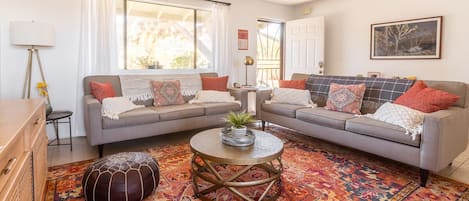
pixel 238 122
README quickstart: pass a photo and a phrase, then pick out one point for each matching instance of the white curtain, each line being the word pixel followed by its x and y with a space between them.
pixel 98 47
pixel 222 50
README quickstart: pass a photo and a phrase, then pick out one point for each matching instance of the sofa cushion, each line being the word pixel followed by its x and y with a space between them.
pixel 132 118
pixel 380 129
pixel 282 109
pixel 215 83
pixel 172 112
pixel 324 117
pixel 345 98
pixel 293 84
pixel 102 90
pixel 167 92
pixel 220 108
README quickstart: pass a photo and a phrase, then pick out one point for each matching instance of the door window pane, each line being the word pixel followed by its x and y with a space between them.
pixel 269 53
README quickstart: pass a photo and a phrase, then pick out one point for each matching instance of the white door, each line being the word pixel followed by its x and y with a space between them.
pixel 304 46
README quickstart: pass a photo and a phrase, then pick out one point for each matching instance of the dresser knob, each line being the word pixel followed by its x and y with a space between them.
pixel 9 166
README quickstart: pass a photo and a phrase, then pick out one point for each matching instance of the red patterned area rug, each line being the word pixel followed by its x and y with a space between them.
pixel 313 170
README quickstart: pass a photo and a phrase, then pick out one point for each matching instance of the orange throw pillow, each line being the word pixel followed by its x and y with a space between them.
pixel 408 97
pixel 102 90
pixel 215 83
pixel 293 84
pixel 426 99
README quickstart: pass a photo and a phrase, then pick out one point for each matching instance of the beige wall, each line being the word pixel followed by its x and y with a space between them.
pixel 244 15
pixel 348 36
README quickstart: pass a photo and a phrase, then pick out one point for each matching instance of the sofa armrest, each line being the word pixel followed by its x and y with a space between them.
pixel 444 137
pixel 240 95
pixel 261 97
pixel 93 119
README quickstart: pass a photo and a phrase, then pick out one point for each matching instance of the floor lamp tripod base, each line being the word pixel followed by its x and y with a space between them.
pixel 29 68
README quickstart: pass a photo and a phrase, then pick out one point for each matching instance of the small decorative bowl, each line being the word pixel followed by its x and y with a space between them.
pixel 231 139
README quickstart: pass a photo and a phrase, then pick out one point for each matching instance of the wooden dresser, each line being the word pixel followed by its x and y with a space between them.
pixel 23 150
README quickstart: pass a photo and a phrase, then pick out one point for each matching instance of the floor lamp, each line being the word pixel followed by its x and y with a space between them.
pixel 33 35
pixel 248 61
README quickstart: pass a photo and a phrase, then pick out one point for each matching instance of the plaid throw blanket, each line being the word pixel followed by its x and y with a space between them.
pixel 378 90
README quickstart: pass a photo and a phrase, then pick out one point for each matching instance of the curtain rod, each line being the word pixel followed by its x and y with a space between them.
pixel 222 2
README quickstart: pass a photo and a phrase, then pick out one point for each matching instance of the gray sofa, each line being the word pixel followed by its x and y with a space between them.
pixel 444 137
pixel 151 121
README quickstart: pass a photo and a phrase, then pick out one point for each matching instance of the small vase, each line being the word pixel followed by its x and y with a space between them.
pixel 48 109
pixel 239 131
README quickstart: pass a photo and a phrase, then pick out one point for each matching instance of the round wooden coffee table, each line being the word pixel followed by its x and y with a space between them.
pixel 210 154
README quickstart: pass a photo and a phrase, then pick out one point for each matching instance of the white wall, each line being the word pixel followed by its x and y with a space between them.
pixel 61 62
pixel 348 36
pixel 244 15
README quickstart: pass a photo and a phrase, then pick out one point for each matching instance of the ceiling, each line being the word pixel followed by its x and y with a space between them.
pixel 290 2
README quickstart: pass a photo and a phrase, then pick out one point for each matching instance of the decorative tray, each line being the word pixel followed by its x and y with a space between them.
pixel 231 139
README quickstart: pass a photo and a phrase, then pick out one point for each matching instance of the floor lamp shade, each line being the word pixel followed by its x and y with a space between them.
pixel 32 33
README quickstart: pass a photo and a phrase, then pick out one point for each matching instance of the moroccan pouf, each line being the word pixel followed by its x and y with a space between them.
pixel 130 176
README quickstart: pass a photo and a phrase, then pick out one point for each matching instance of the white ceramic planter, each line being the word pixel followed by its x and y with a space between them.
pixel 239 131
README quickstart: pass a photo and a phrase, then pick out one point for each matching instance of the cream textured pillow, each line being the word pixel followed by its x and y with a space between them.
pixel 291 96
pixel 113 107
pixel 409 119
pixel 211 96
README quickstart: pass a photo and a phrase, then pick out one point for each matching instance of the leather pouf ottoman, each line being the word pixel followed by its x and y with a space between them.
pixel 130 176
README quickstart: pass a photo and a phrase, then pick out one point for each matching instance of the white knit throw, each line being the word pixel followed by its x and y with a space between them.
pixel 138 87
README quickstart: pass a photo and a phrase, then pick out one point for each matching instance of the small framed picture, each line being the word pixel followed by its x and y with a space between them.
pixel 243 38
pixel 374 74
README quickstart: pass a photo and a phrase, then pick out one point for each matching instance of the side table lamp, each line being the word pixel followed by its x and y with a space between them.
pixel 248 61
pixel 33 35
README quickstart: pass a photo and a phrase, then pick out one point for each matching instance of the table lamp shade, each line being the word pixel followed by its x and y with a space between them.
pixel 32 33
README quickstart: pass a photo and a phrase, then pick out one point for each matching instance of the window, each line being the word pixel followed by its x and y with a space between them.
pixel 155 36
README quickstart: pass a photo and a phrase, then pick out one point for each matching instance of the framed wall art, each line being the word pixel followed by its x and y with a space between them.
pixel 374 74
pixel 243 39
pixel 408 39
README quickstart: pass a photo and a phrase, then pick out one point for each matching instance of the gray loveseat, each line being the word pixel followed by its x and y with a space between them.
pixel 151 121
pixel 444 137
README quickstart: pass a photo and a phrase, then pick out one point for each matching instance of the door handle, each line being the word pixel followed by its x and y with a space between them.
pixel 321 67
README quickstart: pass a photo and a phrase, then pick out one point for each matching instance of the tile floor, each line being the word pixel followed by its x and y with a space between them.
pixel 58 155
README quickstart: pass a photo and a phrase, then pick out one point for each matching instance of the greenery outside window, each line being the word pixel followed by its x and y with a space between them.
pixel 155 36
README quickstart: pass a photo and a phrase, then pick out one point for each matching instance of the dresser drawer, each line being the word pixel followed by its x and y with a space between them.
pixel 11 157
pixel 34 124
pixel 21 187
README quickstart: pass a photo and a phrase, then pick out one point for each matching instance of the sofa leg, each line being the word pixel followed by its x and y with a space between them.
pixel 263 125
pixel 100 150
pixel 423 177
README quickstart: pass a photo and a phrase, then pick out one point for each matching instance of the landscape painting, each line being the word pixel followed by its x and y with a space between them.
pixel 410 39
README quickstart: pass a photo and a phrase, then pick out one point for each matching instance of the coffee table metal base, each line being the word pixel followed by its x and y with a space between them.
pixel 205 169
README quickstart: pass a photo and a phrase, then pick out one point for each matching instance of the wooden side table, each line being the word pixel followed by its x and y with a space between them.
pixel 55 118
pixel 210 153
pixel 252 90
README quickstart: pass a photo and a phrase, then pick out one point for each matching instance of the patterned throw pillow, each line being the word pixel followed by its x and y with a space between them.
pixel 345 98
pixel 425 99
pixel 293 84
pixel 215 83
pixel 167 92
pixel 409 119
pixel 102 90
